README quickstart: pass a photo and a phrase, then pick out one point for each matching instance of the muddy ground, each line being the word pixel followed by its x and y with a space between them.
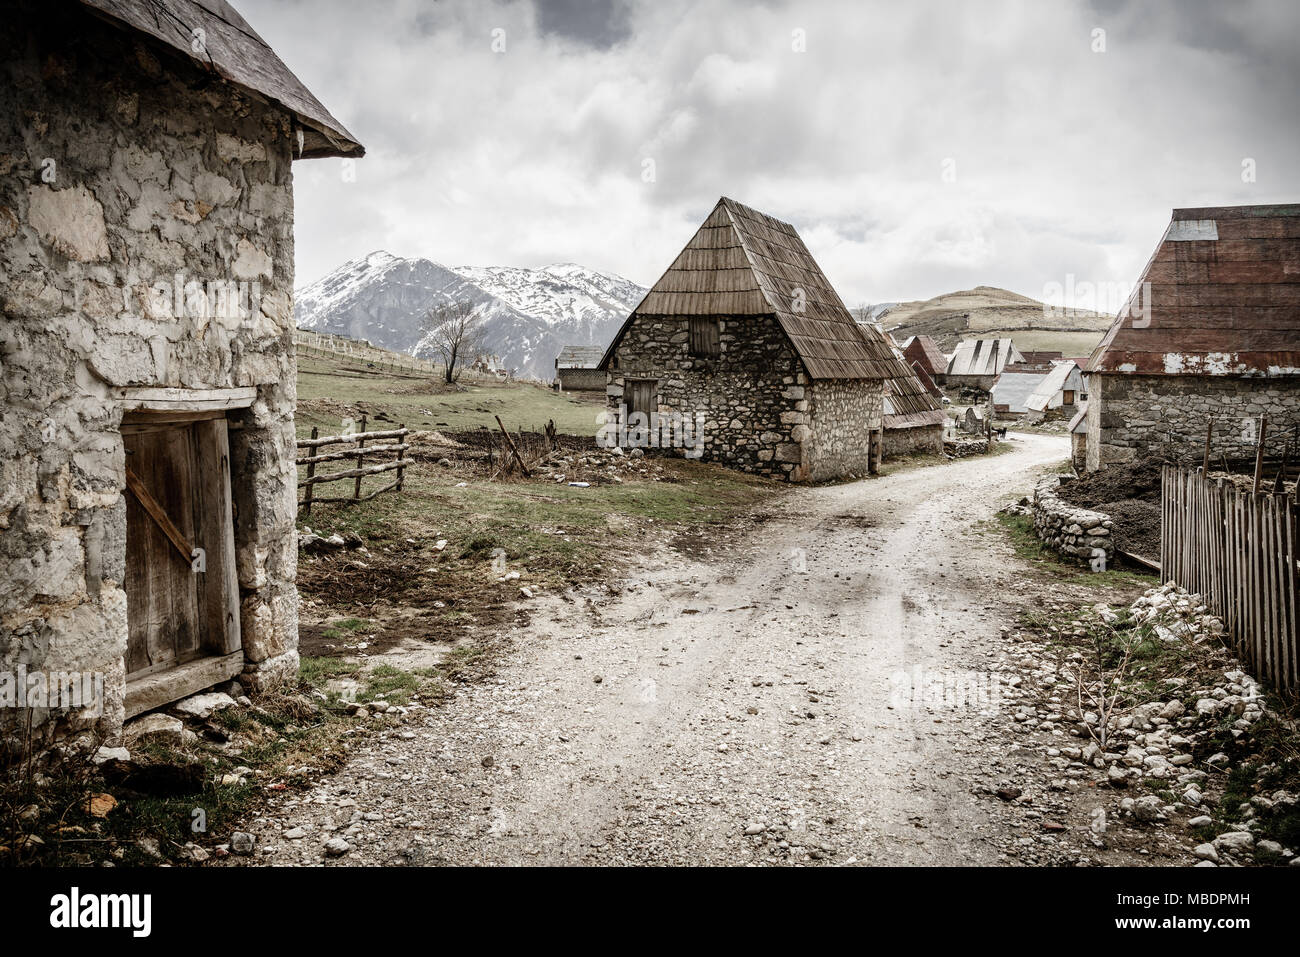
pixel 747 703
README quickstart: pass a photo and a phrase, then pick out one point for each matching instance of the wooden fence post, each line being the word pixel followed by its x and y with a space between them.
pixel 361 441
pixel 311 471
pixel 401 456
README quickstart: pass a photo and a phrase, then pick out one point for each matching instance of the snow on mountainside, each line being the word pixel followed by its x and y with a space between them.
pixel 528 313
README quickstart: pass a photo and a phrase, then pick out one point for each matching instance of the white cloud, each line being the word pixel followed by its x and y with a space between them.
pixel 1067 161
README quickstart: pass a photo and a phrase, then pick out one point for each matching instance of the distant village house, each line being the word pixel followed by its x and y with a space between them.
pixel 577 368
pixel 745 330
pixel 977 362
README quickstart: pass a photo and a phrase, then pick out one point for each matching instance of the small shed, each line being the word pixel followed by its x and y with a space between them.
pixel 914 418
pixel 577 368
pixel 745 336
pixel 977 362
pixel 1060 389
pixel 1209 339
pixel 148 547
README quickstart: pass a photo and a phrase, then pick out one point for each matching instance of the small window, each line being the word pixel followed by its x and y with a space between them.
pixel 704 338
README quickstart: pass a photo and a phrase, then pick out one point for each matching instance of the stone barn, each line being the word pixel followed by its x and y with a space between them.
pixel 744 345
pixel 147 506
pixel 1211 336
pixel 577 368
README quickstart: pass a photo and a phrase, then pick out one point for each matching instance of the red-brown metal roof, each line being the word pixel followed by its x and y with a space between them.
pixel 1220 296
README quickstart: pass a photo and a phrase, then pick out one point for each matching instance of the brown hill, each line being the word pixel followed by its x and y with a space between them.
pixel 988 312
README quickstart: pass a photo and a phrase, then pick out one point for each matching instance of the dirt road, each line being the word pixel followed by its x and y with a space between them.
pixel 727 711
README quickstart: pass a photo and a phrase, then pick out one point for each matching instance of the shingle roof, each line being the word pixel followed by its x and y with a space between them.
pixel 741 262
pixel 579 357
pixel 908 404
pixel 1224 298
pixel 924 350
pixel 233 50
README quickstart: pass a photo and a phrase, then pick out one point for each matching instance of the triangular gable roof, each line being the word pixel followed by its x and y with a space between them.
pixel 1055 380
pixel 1079 424
pixel 1224 298
pixel 741 262
pixel 926 351
pixel 233 50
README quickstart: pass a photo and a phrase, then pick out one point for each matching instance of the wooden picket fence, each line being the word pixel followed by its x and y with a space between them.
pixel 392 442
pixel 1238 549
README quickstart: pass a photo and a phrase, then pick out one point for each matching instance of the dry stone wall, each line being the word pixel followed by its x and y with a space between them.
pixel 146 240
pixel 1074 532
pixel 841 416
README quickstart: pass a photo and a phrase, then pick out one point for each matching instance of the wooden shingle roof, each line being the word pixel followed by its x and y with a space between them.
pixel 232 49
pixel 924 350
pixel 908 403
pixel 741 262
pixel 1224 298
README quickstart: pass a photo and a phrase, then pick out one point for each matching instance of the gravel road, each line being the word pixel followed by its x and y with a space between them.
pixel 741 709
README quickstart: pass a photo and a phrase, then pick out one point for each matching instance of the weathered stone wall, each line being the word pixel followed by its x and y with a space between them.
pixel 1072 531
pixel 125 174
pixel 753 395
pixel 923 440
pixel 1079 450
pixel 581 379
pixel 842 414
pixel 1138 416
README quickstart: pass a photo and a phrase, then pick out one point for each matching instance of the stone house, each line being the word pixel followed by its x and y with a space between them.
pixel 744 346
pixel 1210 337
pixel 578 368
pixel 147 374
pixel 977 362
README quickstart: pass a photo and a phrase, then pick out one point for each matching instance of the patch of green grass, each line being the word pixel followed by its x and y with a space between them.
pixel 1018 530
pixel 317 671
pixel 346 626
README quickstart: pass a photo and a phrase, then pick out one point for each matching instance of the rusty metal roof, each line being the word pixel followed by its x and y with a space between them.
pixel 1220 296
pixel 741 262
pixel 231 49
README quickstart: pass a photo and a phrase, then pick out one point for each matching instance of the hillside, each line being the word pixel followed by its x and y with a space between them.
pixel 989 312
pixel 528 314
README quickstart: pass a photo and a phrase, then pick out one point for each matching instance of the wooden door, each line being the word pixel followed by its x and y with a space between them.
pixel 162 589
pixel 642 395
pixel 179 606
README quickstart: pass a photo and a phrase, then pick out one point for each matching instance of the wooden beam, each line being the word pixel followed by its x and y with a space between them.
pixel 150 505
pixel 180 400
pixel 164 687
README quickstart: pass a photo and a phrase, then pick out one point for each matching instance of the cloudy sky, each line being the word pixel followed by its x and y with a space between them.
pixel 919 148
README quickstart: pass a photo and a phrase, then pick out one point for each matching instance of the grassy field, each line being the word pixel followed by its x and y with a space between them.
pixel 331 389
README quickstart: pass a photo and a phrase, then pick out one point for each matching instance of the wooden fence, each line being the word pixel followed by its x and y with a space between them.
pixel 392 442
pixel 1238 549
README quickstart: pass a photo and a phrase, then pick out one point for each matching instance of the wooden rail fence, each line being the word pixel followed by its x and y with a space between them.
pixel 392 442
pixel 1238 549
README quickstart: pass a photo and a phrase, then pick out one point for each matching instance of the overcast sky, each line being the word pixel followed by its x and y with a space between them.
pixel 918 147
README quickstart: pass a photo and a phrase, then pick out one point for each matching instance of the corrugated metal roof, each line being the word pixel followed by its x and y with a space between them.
pixel 741 262
pixel 981 357
pixel 1057 379
pixel 1222 301
pixel 233 50
pixel 579 357
pixel 1013 389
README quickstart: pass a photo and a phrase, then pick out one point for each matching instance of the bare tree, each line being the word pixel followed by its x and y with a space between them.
pixel 456 333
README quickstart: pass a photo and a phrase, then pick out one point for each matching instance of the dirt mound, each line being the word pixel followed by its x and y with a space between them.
pixel 1130 495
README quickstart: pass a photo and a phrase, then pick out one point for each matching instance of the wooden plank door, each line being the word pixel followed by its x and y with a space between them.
pixel 642 395
pixel 162 590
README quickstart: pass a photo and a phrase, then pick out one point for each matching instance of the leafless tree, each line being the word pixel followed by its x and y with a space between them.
pixel 456 333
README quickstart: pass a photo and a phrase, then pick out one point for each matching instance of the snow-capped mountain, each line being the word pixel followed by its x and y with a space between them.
pixel 528 313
